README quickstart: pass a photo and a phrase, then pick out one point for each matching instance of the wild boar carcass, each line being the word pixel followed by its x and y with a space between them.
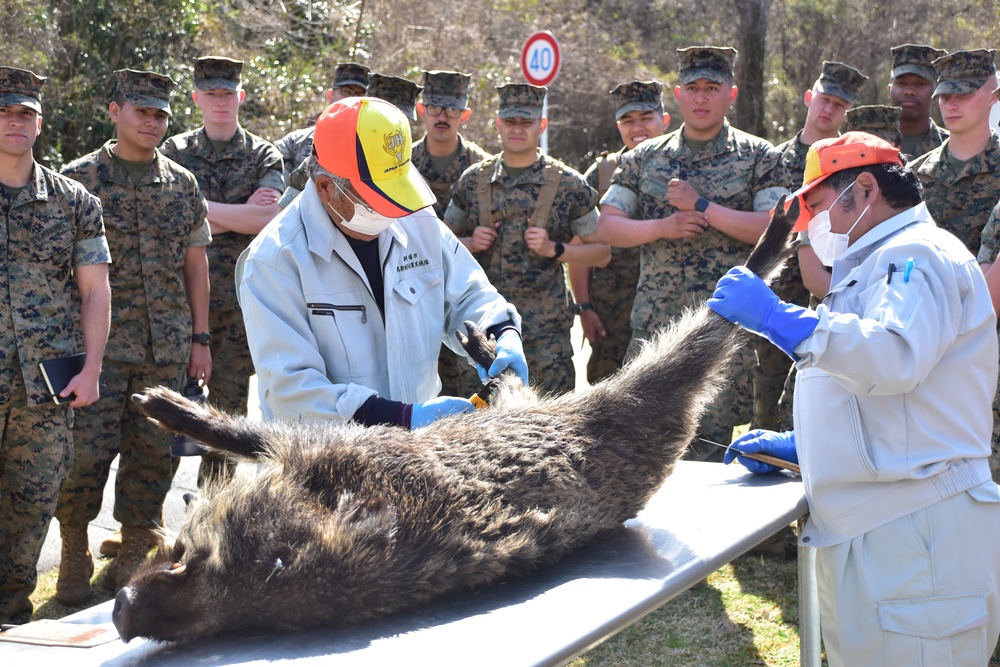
pixel 342 524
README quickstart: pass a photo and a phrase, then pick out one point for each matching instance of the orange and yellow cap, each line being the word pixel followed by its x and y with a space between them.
pixel 367 141
pixel 828 156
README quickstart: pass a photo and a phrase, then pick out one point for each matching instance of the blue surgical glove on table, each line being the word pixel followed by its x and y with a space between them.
pixel 430 411
pixel 779 445
pixel 743 298
pixel 509 354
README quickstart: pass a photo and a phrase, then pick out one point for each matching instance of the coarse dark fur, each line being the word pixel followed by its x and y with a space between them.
pixel 343 523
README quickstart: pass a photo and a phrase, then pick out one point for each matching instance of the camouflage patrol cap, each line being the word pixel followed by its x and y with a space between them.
pixel 637 96
pixel 879 119
pixel 20 86
pixel 841 80
pixel 714 63
pixel 145 89
pixel 915 59
pixel 397 91
pixel 213 72
pixel 521 100
pixel 350 74
pixel 964 72
pixel 446 89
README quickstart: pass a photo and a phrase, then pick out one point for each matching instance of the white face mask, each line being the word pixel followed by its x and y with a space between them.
pixel 365 220
pixel 830 247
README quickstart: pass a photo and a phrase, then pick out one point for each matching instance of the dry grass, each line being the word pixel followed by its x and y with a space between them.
pixel 44 597
pixel 746 614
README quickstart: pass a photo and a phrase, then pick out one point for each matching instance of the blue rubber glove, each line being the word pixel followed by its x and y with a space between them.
pixel 430 411
pixel 779 445
pixel 743 298
pixel 510 354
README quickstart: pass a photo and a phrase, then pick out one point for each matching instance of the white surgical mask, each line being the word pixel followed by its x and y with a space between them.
pixel 365 220
pixel 828 246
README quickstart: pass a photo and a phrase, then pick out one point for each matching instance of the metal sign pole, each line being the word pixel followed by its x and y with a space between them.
pixel 545 135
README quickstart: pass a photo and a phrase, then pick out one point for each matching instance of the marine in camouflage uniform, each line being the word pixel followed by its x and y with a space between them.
pixel 913 81
pixel 230 169
pixel 879 120
pixel 611 289
pixel 52 242
pixel 446 94
pixel 732 172
pixel 157 229
pixel 829 101
pixel 961 193
pixel 397 91
pixel 513 209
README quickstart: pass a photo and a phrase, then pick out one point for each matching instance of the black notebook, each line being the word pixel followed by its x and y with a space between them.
pixel 59 371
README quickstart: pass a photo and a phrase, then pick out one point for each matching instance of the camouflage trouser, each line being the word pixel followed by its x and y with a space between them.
pixel 615 310
pixel 772 408
pixel 111 426
pixel 229 387
pixel 36 450
pixel 550 364
pixel 772 372
pixel 458 377
pixel 731 408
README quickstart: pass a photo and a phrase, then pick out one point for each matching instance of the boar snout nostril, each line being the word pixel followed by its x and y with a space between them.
pixel 122 614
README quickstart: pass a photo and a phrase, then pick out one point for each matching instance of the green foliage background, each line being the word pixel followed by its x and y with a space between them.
pixel 292 46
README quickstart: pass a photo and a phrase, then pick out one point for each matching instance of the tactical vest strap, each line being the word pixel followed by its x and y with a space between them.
pixel 547 195
pixel 606 165
pixel 543 204
pixel 487 217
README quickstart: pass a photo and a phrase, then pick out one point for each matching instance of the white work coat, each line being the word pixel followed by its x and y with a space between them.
pixel 893 390
pixel 318 342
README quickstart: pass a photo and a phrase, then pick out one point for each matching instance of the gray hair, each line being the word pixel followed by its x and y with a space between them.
pixel 314 169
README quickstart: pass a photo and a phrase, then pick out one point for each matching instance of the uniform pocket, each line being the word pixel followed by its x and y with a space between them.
pixel 346 338
pixel 54 242
pixel 942 630
pixel 833 435
pixel 411 289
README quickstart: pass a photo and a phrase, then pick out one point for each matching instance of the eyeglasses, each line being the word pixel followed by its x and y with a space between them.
pixel 450 112
pixel 354 200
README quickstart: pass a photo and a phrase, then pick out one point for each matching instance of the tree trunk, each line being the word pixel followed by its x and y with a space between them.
pixel 751 64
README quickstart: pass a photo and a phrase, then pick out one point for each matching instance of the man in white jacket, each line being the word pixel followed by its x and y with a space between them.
pixel 896 371
pixel 349 292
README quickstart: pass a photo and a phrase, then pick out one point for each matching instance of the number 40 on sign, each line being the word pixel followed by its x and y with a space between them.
pixel 540 58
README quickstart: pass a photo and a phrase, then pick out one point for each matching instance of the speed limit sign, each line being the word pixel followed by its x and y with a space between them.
pixel 540 58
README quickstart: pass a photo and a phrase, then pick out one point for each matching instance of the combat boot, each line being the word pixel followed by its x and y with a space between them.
pixel 76 565
pixel 113 542
pixel 136 543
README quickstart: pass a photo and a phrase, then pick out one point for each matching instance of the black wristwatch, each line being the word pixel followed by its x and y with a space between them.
pixel 701 205
pixel 586 305
pixel 204 338
pixel 560 249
